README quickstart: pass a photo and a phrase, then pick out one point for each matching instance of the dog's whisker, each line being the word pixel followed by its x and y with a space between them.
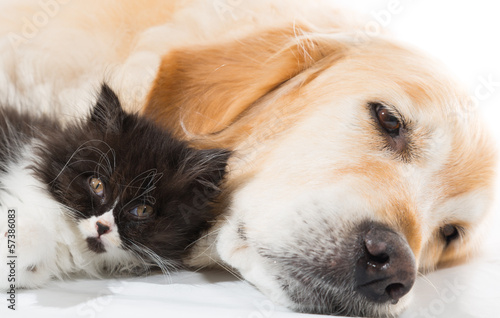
pixel 428 281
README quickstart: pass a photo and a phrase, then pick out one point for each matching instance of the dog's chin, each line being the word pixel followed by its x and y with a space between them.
pixel 345 306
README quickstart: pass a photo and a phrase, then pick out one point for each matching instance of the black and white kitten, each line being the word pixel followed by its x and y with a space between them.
pixel 111 194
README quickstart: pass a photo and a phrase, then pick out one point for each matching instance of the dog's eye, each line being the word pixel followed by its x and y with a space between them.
pixel 97 186
pixel 386 120
pixel 450 233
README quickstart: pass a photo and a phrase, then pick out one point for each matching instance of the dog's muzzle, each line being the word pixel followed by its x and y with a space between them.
pixel 361 271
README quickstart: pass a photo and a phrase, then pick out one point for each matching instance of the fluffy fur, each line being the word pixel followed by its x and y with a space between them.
pixel 293 88
pixel 112 194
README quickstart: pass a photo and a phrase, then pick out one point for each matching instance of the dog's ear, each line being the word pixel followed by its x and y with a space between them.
pixel 203 90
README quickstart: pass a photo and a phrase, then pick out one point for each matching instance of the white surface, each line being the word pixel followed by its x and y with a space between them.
pixel 463 34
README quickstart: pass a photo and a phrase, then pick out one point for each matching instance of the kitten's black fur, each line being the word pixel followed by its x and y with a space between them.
pixel 138 164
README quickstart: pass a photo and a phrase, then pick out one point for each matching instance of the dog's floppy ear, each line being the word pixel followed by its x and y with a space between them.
pixel 203 90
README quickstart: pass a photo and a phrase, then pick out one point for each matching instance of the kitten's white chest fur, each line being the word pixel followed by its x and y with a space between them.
pixel 49 243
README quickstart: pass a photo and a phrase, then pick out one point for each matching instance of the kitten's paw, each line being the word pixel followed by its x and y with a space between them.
pixel 17 276
pixel 25 260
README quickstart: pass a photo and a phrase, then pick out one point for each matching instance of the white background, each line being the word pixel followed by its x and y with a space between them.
pixel 465 36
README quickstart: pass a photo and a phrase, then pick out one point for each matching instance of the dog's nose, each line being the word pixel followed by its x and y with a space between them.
pixel 386 270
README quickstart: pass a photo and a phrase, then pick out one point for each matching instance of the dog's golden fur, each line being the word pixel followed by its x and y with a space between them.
pixel 288 86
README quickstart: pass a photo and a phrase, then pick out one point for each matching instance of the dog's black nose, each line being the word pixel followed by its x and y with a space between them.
pixel 386 270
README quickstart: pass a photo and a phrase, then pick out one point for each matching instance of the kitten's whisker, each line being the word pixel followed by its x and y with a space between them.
pixel 147 198
pixel 165 265
pixel 98 164
pixel 83 146
pixel 209 250
pixel 228 268
pixel 112 168
pixel 212 232
pixel 75 178
pixel 148 174
pixel 155 257
pixel 74 211
pixel 104 154
pixel 104 157
pixel 152 177
pixel 103 162
pixel 145 265
pixel 222 265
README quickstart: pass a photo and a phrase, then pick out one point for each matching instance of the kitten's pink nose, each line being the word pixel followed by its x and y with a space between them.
pixel 102 228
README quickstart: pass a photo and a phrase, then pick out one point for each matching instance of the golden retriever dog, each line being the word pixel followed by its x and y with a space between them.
pixel 352 172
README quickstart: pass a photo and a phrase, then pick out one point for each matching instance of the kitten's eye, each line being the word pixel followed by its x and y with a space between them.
pixel 386 120
pixel 97 186
pixel 142 211
pixel 450 233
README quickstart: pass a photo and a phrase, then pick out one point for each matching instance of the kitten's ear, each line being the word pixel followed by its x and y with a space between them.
pixel 108 112
pixel 209 169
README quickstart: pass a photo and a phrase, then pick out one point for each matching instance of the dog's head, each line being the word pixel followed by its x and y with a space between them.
pixel 358 163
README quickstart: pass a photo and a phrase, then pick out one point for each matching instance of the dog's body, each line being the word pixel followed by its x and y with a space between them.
pixel 57 52
pixel 353 168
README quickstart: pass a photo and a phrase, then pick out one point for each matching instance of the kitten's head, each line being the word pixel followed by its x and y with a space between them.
pixel 131 187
